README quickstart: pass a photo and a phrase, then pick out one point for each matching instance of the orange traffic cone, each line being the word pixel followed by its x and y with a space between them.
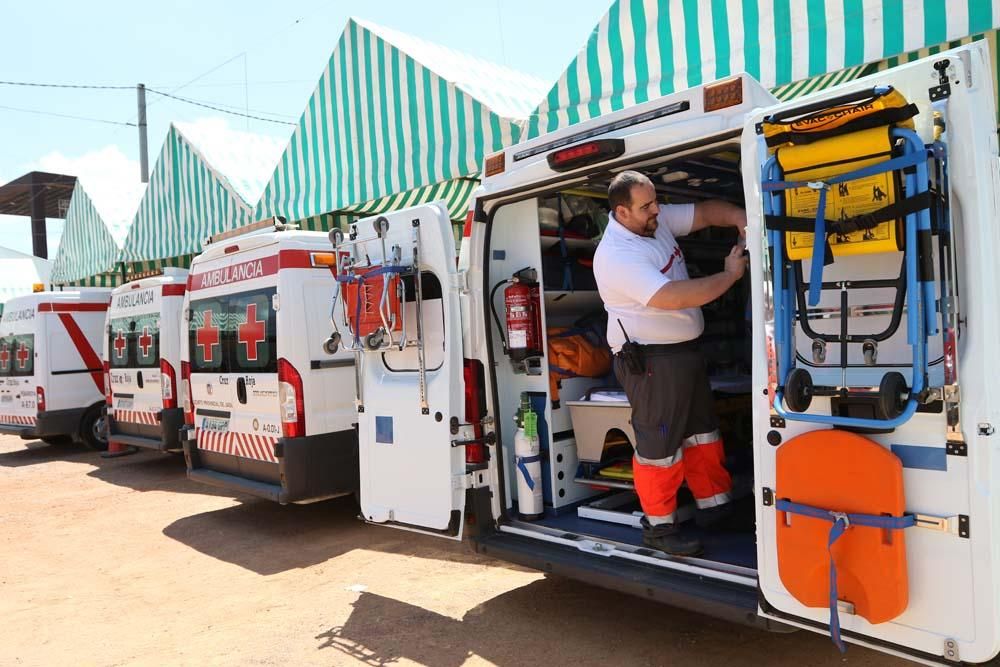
pixel 115 449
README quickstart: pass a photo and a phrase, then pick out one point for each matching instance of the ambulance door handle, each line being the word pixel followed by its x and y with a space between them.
pixel 241 390
pixel 138 379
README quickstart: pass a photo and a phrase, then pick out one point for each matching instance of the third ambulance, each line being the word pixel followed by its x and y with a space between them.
pixel 856 382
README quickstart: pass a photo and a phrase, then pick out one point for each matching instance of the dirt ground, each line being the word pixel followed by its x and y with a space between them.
pixel 124 561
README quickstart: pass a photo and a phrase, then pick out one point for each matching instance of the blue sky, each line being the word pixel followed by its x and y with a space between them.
pixel 263 55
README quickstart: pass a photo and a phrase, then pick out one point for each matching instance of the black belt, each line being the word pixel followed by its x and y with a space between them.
pixel 655 348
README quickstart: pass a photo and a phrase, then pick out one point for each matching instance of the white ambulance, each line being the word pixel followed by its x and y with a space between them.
pixel 53 381
pixel 869 419
pixel 142 357
pixel 271 412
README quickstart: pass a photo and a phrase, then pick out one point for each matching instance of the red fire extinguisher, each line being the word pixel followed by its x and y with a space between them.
pixel 524 316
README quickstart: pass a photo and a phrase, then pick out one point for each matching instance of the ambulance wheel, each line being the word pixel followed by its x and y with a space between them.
pixel 93 431
pixel 336 237
pixel 332 344
pixel 890 395
pixel 381 225
pixel 374 340
pixel 798 390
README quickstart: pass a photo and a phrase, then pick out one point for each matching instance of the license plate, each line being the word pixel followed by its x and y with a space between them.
pixel 7 398
pixel 214 424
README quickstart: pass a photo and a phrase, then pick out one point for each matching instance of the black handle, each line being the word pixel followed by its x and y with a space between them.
pixel 138 379
pixel 241 390
pixel 846 98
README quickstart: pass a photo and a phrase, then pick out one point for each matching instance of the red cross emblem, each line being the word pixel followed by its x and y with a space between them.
pixel 145 341
pixel 22 356
pixel 4 356
pixel 120 343
pixel 251 333
pixel 207 337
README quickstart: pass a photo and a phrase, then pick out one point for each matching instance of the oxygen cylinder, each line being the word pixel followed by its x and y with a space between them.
pixel 528 459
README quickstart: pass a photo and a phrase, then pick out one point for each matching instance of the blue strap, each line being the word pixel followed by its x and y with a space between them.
pixel 841 522
pixel 567 283
pixel 819 229
pixel 522 465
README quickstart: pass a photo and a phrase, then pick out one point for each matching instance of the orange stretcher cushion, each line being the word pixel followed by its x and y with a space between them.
pixel 844 472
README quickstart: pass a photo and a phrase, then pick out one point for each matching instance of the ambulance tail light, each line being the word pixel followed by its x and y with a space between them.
pixel 168 380
pixel 188 400
pixel 107 384
pixel 475 408
pixel 291 400
pixel 581 155
pixel 39 399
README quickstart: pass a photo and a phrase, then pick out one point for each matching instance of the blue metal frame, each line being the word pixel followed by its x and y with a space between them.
pixel 921 320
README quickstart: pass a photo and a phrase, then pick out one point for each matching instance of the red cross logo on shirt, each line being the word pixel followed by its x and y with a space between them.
pixel 145 341
pixel 251 333
pixel 22 356
pixel 120 343
pixel 4 357
pixel 207 337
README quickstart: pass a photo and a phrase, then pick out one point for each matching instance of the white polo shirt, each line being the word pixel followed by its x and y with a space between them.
pixel 630 269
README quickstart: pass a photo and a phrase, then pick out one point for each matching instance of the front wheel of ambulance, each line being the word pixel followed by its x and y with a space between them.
pixel 93 430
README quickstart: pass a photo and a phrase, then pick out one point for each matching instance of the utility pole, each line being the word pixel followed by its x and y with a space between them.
pixel 140 90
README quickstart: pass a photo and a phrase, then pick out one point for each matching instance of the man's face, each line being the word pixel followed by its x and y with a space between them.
pixel 640 216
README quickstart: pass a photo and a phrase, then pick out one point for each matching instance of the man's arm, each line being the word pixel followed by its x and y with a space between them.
pixel 716 213
pixel 696 292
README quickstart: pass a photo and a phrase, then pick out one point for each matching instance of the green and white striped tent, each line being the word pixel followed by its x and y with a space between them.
pixel 187 200
pixel 643 49
pixel 88 252
pixel 395 121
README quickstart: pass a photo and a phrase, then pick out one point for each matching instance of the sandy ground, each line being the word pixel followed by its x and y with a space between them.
pixel 120 562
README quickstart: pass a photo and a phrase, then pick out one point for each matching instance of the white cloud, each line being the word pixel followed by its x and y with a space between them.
pixel 247 159
pixel 110 179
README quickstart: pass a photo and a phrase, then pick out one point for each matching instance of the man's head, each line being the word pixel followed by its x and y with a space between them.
pixel 633 201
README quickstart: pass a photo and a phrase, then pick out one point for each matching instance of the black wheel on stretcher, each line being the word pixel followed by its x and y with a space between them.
pixel 381 225
pixel 374 339
pixel 336 237
pixel 799 390
pixel 891 391
pixel 332 344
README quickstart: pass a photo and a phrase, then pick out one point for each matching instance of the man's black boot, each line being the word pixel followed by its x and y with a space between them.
pixel 729 518
pixel 667 537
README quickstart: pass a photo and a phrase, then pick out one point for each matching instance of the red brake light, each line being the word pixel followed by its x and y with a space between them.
pixel 584 154
pixel 107 383
pixel 168 380
pixel 188 399
pixel 475 408
pixel 39 399
pixel 292 400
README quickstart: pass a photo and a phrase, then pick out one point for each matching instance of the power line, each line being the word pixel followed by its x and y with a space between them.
pixel 64 85
pixel 219 109
pixel 63 115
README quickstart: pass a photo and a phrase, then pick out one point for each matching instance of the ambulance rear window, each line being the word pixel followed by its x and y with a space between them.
pixel 134 342
pixel 234 333
pixel 17 355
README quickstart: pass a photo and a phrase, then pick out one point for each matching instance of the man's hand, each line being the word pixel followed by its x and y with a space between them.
pixel 736 263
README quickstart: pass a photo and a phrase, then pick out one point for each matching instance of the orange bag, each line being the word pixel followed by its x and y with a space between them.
pixel 576 352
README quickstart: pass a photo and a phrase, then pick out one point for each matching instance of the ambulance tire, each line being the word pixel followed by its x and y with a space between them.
pixel 890 395
pixel 799 390
pixel 92 429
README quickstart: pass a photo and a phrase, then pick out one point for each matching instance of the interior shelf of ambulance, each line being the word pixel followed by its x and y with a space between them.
pixel 582 416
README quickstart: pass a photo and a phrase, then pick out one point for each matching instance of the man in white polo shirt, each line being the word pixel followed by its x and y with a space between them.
pixel 653 304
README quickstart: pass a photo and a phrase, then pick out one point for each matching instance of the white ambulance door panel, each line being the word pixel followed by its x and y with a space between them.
pixel 251 344
pixel 949 605
pixel 134 355
pixel 213 395
pixel 412 476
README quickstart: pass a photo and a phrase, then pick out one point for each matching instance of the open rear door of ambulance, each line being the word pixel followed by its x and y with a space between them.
pixel 410 400
pixel 890 476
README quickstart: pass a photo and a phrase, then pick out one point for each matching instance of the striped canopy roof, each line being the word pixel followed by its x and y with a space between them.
pixel 186 201
pixel 393 114
pixel 87 249
pixel 643 49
